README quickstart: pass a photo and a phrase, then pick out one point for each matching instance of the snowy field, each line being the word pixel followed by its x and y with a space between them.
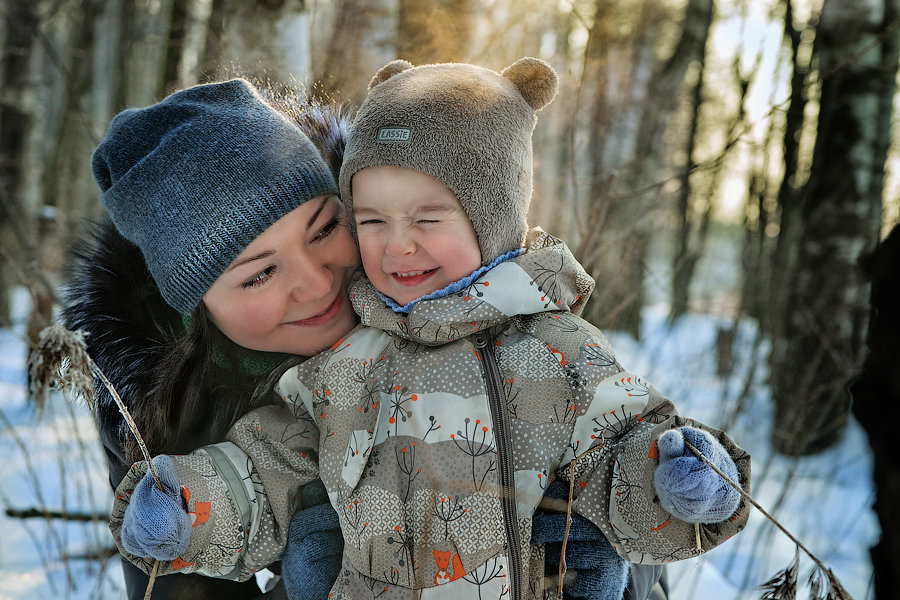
pixel 825 500
pixel 55 463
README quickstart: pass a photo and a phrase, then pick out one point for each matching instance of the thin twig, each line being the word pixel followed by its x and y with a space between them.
pixel 128 419
pixel 153 574
pixel 565 541
pixel 750 499
pixel 140 440
pixel 822 581
pixel 34 513
pixel 61 360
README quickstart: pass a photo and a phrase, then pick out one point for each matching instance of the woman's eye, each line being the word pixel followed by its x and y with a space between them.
pixel 426 221
pixel 259 278
pixel 327 230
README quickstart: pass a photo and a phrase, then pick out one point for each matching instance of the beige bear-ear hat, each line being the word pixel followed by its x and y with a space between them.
pixel 464 125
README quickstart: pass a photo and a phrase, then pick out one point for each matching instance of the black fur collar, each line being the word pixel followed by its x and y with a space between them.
pixel 114 300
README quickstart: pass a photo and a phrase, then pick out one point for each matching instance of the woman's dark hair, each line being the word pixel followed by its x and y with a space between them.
pixel 201 388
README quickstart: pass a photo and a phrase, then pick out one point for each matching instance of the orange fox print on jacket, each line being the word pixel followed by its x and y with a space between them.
pixel 443 561
pixel 200 514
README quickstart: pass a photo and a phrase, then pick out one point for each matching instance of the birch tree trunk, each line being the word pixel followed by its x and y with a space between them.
pixel 690 247
pixel 551 205
pixel 791 189
pixel 434 31
pixel 265 41
pixel 353 42
pixel 179 15
pixel 18 217
pixel 827 307
pixel 627 135
pixel 602 233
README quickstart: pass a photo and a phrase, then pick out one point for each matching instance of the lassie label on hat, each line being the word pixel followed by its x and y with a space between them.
pixel 393 134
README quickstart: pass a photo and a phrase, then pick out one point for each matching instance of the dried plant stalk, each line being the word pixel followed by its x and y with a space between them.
pixel 571 499
pixel 823 585
pixel 61 361
pixel 153 574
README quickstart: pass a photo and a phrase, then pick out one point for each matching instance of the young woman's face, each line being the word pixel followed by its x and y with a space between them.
pixel 414 236
pixel 287 291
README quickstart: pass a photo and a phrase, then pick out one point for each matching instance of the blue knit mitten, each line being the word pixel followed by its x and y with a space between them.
pixel 312 558
pixel 688 488
pixel 156 524
pixel 593 568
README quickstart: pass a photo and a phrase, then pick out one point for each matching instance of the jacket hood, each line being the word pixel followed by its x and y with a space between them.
pixel 547 267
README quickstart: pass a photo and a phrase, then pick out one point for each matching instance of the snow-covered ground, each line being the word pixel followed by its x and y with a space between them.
pixel 824 500
pixel 50 462
pixel 55 463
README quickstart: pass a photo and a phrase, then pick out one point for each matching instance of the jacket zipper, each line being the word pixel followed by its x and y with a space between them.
pixel 500 418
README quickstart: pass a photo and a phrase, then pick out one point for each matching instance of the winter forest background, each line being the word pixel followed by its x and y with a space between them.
pixel 719 167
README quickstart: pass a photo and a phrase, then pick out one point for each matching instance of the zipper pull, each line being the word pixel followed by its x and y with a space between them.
pixel 479 339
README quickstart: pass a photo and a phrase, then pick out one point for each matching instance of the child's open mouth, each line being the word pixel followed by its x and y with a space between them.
pixel 413 278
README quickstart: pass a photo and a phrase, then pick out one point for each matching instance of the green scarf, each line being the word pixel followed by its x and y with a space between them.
pixel 253 363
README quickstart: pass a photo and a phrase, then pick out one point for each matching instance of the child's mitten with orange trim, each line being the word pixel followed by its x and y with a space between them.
pixel 156 523
pixel 688 488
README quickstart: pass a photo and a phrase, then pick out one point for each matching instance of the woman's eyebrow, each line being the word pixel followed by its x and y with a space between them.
pixel 244 261
pixel 315 216
pixel 268 253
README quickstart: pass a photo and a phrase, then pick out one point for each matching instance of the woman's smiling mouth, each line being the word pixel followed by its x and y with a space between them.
pixel 324 317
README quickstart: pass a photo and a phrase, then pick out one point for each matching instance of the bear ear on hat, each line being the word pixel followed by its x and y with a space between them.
pixel 389 70
pixel 536 80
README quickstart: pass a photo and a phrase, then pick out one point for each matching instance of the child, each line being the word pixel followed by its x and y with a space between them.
pixel 437 425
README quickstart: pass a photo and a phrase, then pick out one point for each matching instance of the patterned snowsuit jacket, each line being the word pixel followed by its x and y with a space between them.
pixel 436 434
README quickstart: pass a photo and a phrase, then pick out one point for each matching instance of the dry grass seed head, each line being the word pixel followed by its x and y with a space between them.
pixel 60 360
pixel 783 586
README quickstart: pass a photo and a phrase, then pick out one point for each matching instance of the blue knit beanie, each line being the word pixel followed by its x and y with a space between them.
pixel 192 180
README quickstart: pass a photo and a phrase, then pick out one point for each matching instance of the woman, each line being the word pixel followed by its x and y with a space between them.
pixel 170 174
pixel 186 310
